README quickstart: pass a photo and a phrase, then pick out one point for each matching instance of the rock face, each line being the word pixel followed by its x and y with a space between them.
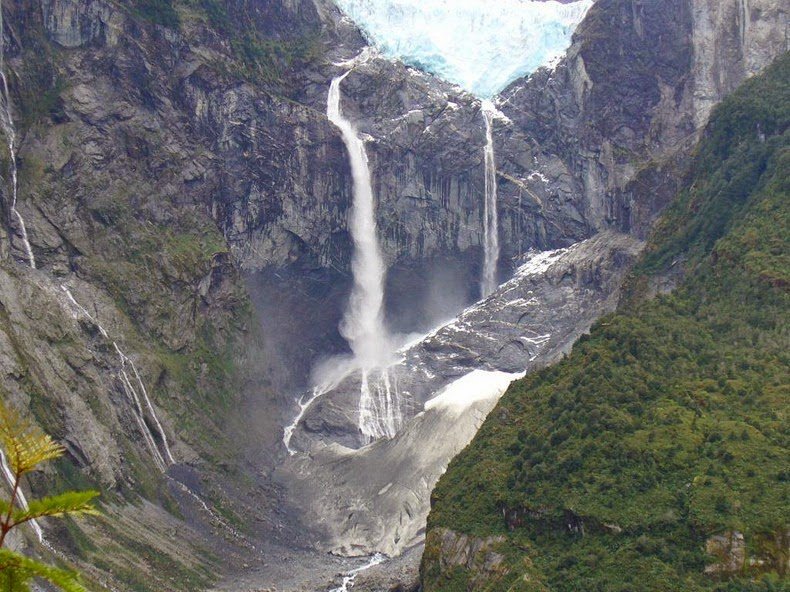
pixel 530 321
pixel 635 88
pixel 450 550
pixel 376 498
pixel 730 551
pixel 179 176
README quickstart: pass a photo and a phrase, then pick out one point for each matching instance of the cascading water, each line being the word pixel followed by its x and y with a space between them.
pixel 380 405
pixel 162 461
pixel 363 322
pixel 128 381
pixel 348 579
pixel 491 222
pixel 135 394
pixel 7 123
pixel 304 405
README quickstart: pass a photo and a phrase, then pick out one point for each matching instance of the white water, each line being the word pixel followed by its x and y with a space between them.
pixel 491 218
pixel 136 394
pixel 348 579
pixel 7 123
pixel 9 476
pixel 363 322
pixel 304 405
pixel 478 385
pixel 481 45
pixel 380 405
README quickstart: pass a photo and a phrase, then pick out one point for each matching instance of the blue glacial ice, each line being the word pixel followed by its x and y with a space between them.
pixel 480 45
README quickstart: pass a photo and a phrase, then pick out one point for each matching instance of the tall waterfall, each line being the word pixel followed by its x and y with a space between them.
pixel 7 123
pixel 363 323
pixel 491 222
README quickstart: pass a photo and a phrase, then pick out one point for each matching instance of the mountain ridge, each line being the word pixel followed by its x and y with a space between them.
pixel 653 447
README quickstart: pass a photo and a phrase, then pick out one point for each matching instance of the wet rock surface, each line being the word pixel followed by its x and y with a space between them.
pixel 182 193
pixel 376 497
pixel 530 321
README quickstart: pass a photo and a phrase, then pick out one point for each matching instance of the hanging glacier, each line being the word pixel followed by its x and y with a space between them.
pixel 479 45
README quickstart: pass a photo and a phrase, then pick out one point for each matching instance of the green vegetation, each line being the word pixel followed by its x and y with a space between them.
pixel 159 12
pixel 268 60
pixel 24 448
pixel 154 272
pixel 260 58
pixel 667 425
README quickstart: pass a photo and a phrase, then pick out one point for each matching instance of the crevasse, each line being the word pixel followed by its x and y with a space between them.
pixel 478 44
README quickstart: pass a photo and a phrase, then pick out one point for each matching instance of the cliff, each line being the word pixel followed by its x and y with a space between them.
pixel 653 447
pixel 185 200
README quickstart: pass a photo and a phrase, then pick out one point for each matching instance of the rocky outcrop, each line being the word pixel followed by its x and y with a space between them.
pixel 530 321
pixel 730 552
pixel 377 497
pixel 635 89
pixel 731 556
pixel 448 552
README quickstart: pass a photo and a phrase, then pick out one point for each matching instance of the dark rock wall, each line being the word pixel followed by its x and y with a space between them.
pixel 161 166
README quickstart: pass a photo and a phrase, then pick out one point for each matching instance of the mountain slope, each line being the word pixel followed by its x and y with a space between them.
pixel 652 458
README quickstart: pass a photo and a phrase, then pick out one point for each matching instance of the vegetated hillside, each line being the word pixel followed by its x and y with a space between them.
pixel 654 457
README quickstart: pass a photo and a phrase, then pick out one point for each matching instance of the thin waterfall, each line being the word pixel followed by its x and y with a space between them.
pixel 135 390
pixel 7 123
pixel 380 411
pixel 363 322
pixel 128 382
pixel 304 405
pixel 9 476
pixel 491 222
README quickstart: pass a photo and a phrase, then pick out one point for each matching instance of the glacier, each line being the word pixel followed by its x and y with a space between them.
pixel 481 46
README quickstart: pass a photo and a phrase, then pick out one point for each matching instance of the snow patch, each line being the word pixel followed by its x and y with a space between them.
pixel 478 385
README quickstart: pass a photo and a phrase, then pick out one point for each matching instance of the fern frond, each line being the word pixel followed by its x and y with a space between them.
pixel 25 444
pixel 17 572
pixel 71 503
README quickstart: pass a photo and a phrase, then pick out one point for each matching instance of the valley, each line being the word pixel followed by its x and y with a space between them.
pixel 267 267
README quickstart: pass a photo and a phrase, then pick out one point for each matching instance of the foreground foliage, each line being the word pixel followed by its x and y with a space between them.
pixel 667 425
pixel 24 448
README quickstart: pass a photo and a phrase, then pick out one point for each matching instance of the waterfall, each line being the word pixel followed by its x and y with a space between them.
pixel 379 405
pixel 134 394
pixel 9 476
pixel 348 578
pixel 304 405
pixel 490 222
pixel 7 123
pixel 363 323
pixel 135 390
